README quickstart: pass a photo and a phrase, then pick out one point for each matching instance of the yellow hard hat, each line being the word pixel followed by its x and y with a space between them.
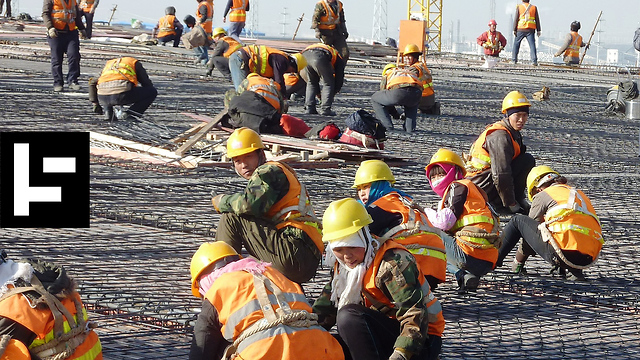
pixel 343 218
pixel 514 99
pixel 301 62
pixel 411 49
pixel 217 31
pixel 537 176
pixel 15 350
pixel 243 141
pixel 446 156
pixel 372 170
pixel 388 67
pixel 207 254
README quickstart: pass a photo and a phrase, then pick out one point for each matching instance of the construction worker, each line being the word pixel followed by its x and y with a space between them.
pixel 399 86
pixel 204 18
pixel 242 293
pixel 330 25
pixel 411 58
pixel 118 85
pixel 62 18
pixel 225 46
pixel 492 40
pixel 88 11
pixel 572 44
pixel 498 162
pixel 41 309
pixel 258 105
pixel 264 61
pixel 397 217
pixel 237 12
pixel 571 237
pixel 465 214
pixel 273 217
pixel 168 28
pixel 7 12
pixel 201 51
pixel 377 296
pixel 525 25
pixel 325 68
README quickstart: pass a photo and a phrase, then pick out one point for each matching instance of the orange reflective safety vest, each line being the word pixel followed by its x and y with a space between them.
pixel 42 323
pixel 334 53
pixel 401 77
pixel 266 88
pixel 416 233
pixel 573 222
pixel 527 19
pixel 330 19
pixel 574 48
pixel 259 59
pixel 375 298
pixel 295 209
pixel 291 79
pixel 207 25
pixel 166 26
pixel 64 14
pixel 424 75
pixel 480 159
pixel 15 350
pixel 238 12
pixel 123 68
pixel 87 5
pixel 234 45
pixel 245 301
pixel 475 218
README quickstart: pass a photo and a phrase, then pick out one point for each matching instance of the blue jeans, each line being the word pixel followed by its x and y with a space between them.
pixel 531 38
pixel 202 54
pixel 458 260
pixel 235 28
pixel 238 69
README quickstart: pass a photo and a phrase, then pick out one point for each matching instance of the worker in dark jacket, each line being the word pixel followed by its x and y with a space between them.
pixel 63 19
pixel 88 11
pixel 257 105
pixel 168 28
pixel 330 25
pixel 325 69
pixel 225 46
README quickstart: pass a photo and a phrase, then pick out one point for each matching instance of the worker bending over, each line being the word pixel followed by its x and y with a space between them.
pixel 225 46
pixel 257 105
pixel 325 70
pixel 399 86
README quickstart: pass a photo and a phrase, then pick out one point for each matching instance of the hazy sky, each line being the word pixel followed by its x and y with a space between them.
pixel 620 17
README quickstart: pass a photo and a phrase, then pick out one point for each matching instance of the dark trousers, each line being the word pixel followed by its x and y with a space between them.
pixel 333 38
pixel 66 42
pixel 319 75
pixel 531 38
pixel 173 37
pixel 383 101
pixel 299 88
pixel 8 11
pixel 222 64
pixel 140 98
pixel 235 28
pixel 296 257
pixel 370 335
pixel 520 168
pixel 88 18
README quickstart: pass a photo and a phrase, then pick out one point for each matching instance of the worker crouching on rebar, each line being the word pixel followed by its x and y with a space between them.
pixel 273 217
pixel 252 311
pixel 378 296
pixel 465 214
pixel 399 86
pixel 41 310
pixel 411 57
pixel 225 46
pixel 562 226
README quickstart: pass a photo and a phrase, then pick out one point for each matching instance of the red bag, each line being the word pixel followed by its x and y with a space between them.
pixel 293 126
pixel 353 137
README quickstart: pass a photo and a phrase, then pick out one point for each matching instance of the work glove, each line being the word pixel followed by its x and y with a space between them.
pixel 83 34
pixel 398 355
pixel 539 33
pixel 215 200
pixel 52 32
pixel 486 45
pixel 345 34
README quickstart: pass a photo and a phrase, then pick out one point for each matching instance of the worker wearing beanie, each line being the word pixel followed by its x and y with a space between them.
pixel 168 28
pixel 572 44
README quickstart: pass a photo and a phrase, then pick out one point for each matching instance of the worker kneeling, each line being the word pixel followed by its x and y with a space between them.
pixel 399 86
pixel 252 311
pixel 378 296
pixel 273 217
pixel 256 104
pixel 562 226
pixel 411 58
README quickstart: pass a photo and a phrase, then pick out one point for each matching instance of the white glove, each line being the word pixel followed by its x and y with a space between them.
pixel 52 32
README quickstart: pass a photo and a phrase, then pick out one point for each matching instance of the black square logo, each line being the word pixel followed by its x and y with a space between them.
pixel 44 179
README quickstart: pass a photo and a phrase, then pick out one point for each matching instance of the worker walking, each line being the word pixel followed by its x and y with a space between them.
pixel 62 18
pixel 118 85
pixel 399 86
pixel 225 46
pixel 168 28
pixel 465 214
pixel 492 41
pixel 498 162
pixel 88 11
pixel 237 12
pixel 252 311
pixel 325 70
pixel 41 309
pixel 204 18
pixel 257 105
pixel 525 25
pixel 264 61
pixel 330 25
pixel 273 217
pixel 411 57
pixel 397 217
pixel 562 226
pixel 377 296
pixel 571 46
pixel 198 39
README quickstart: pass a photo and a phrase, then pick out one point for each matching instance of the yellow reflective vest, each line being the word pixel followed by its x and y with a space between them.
pixel 123 68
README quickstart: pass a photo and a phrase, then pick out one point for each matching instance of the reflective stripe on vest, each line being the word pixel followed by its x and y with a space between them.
pixel 166 26
pixel 480 159
pixel 259 59
pixel 574 47
pixel 63 14
pixel 238 12
pixel 476 214
pixel 120 69
pixel 527 18
pixel 87 5
pixel 334 53
pixel 330 18
pixel 428 251
pixel 424 75
pixel 399 76
pixel 234 45
pixel 268 90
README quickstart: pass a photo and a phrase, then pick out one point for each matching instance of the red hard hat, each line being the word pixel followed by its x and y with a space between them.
pixel 492 22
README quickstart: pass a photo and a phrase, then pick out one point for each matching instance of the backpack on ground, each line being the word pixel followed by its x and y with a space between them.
pixel 365 130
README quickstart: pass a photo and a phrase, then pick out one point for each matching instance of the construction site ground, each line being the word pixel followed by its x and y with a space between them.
pixel 147 219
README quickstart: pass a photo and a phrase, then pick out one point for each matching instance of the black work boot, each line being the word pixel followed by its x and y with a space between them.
pixel 311 110
pixel 108 113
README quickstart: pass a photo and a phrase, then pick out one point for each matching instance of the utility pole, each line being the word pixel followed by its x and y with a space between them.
pixel 298 27
pixel 492 8
pixel 113 11
pixel 379 33
pixel 284 23
pixel 253 23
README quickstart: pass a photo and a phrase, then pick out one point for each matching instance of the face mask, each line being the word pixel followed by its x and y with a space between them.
pixel 440 186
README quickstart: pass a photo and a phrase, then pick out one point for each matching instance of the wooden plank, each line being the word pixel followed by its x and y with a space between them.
pixel 133 145
pixel 200 134
pixel 185 135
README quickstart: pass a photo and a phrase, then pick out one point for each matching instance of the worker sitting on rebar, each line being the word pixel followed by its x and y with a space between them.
pixel 41 309
pixel 377 296
pixel 571 46
pixel 324 75
pixel 411 57
pixel 251 311
pixel 273 217
pixel 257 104
pixel 219 58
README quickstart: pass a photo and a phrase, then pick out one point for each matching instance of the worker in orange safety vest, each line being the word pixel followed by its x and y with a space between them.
pixel 225 46
pixel 88 8
pixel 399 86
pixel 411 57
pixel 257 105
pixel 168 28
pixel 571 46
pixel 526 23
pixel 236 11
pixel 330 25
